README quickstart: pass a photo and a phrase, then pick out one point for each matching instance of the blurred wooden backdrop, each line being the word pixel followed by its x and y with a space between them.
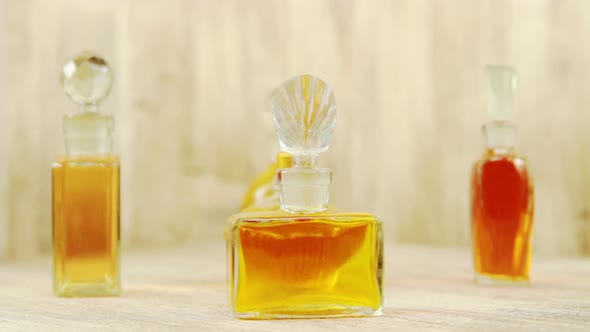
pixel 191 77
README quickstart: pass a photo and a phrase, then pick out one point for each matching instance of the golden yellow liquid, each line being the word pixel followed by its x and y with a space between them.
pixel 316 265
pixel 86 226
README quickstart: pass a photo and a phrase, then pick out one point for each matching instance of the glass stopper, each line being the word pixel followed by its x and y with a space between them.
pixel 304 114
pixel 87 79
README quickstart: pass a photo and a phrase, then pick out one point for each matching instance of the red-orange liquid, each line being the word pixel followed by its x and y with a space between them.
pixel 501 217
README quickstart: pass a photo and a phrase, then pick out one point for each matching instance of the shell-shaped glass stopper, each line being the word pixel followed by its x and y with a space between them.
pixel 304 114
pixel 501 81
pixel 87 79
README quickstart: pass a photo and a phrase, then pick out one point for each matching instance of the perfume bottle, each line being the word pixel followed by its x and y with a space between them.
pixel 86 188
pixel 502 198
pixel 304 258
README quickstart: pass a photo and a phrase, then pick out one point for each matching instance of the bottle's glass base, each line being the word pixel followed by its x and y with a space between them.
pixel 500 280
pixel 103 289
pixel 323 311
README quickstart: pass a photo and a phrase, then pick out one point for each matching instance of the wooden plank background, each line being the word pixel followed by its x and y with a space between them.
pixel 191 77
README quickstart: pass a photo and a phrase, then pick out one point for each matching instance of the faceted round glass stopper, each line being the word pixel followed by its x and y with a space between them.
pixel 87 79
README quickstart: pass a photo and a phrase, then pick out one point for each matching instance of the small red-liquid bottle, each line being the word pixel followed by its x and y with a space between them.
pixel 502 198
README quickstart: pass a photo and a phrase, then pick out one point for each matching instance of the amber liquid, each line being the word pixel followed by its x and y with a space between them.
pixel 501 217
pixel 320 266
pixel 86 226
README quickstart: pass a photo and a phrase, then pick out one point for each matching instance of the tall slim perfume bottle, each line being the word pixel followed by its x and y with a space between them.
pixel 304 259
pixel 502 198
pixel 86 188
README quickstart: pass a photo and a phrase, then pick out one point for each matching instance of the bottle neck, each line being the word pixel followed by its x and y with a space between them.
pixel 305 161
pixel 500 135
pixel 88 134
pixel 305 190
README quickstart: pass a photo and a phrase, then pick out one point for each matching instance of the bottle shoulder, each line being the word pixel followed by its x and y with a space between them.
pixel 276 214
pixel 501 167
pixel 108 160
pixel 510 156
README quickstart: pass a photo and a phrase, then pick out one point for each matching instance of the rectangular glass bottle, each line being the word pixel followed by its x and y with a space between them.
pixel 86 226
pixel 502 217
pixel 284 265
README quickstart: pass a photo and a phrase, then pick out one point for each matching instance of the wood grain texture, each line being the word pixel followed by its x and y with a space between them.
pixel 183 289
pixel 191 77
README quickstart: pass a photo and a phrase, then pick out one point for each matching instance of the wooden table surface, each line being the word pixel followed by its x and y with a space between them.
pixel 427 289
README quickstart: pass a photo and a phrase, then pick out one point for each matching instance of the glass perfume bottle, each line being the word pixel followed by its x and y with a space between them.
pixel 86 188
pixel 502 198
pixel 304 259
